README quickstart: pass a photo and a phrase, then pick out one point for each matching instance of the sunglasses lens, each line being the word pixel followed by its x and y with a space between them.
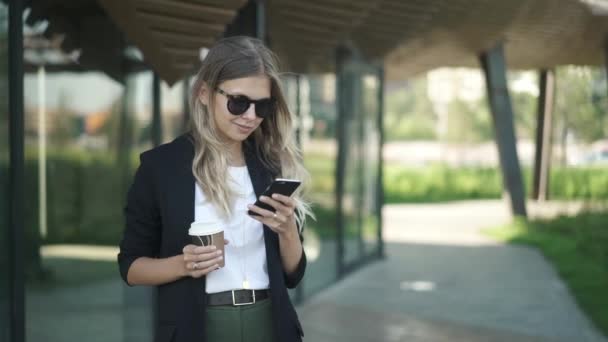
pixel 238 105
pixel 264 108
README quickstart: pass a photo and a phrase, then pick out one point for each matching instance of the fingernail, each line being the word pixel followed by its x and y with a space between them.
pixel 275 196
pixel 219 252
pixel 263 197
pixel 213 247
pixel 220 258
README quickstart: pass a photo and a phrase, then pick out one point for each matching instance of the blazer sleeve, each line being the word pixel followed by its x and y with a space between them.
pixel 141 237
pixel 293 279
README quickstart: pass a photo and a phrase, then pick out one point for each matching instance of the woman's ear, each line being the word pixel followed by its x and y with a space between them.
pixel 204 94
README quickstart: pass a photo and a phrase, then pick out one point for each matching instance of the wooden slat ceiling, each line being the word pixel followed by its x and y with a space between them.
pixel 537 34
pixel 170 33
pixel 413 36
pixel 409 36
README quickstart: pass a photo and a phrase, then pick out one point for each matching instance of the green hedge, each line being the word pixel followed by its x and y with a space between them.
pixel 442 183
pixel 85 197
pixel 86 191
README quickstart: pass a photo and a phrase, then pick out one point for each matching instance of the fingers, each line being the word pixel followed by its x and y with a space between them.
pixel 194 249
pixel 287 201
pixel 200 260
pixel 263 212
pixel 206 255
pixel 201 265
pixel 205 271
pixel 282 204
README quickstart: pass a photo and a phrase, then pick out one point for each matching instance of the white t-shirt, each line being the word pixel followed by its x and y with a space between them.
pixel 245 255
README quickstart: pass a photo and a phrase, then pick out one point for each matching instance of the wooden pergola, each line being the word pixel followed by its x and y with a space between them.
pixel 410 36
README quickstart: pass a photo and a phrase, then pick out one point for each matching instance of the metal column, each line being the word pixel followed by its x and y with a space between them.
pixel 494 66
pixel 16 225
pixel 380 181
pixel 185 103
pixel 542 157
pixel 157 133
pixel 343 101
pixel 250 21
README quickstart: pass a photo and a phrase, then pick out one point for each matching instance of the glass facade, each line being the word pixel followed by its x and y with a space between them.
pixel 84 128
pixel 87 118
pixel 318 137
pixel 4 167
pixel 360 145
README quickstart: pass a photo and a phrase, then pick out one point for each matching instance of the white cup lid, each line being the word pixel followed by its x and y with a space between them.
pixel 205 228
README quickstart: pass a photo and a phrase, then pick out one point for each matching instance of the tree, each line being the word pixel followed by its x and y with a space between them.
pixel 580 106
pixel 409 112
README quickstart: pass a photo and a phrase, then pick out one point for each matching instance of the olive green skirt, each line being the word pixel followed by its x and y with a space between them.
pixel 247 323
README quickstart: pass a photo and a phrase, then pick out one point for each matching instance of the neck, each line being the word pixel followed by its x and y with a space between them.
pixel 235 154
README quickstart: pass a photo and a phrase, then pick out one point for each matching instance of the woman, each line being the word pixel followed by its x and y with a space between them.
pixel 240 139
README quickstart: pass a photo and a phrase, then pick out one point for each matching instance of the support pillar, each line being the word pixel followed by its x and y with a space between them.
pixel 494 66
pixel 380 181
pixel 250 21
pixel 343 104
pixel 542 157
pixel 157 133
pixel 16 189
pixel 185 103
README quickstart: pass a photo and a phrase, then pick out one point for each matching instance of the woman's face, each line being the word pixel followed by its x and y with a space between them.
pixel 236 128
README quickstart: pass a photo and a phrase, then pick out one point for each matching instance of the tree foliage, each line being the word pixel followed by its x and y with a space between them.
pixel 409 112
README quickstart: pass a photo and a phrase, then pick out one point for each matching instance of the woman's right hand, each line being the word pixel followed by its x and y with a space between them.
pixel 201 260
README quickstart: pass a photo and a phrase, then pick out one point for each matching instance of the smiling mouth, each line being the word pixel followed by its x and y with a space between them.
pixel 244 127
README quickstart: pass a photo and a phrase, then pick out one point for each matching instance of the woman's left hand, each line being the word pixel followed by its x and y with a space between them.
pixel 283 221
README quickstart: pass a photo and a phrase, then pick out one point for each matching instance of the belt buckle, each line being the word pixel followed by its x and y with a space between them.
pixel 245 303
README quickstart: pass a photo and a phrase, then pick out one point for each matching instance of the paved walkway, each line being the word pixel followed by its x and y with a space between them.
pixel 444 281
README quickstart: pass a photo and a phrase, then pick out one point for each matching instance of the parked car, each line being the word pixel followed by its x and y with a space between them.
pixel 598 154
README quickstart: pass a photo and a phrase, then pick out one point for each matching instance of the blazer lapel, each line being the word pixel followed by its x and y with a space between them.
pixel 184 185
pixel 184 208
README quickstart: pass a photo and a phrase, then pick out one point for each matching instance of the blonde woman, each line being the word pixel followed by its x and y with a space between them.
pixel 240 139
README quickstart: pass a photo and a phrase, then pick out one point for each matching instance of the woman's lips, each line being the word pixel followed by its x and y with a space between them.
pixel 243 128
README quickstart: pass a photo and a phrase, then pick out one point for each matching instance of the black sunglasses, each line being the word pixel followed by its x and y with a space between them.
pixel 238 104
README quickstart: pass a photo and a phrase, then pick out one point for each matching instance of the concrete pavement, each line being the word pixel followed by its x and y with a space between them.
pixel 444 281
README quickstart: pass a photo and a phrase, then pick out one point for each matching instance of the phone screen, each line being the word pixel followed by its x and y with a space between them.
pixel 285 187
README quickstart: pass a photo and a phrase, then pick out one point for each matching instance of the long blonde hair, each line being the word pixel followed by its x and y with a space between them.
pixel 232 58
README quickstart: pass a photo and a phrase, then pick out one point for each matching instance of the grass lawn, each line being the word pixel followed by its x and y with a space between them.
pixel 578 248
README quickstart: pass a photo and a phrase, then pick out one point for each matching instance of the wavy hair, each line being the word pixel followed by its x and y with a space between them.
pixel 274 140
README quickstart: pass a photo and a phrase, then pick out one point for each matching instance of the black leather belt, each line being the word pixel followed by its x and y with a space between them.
pixel 237 297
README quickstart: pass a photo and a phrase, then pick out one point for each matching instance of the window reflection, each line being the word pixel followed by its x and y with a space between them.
pixel 361 147
pixel 318 136
pixel 83 132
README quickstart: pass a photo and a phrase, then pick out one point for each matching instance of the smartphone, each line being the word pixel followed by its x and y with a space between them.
pixel 285 187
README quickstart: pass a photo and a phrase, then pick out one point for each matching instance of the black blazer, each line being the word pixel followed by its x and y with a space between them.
pixel 159 210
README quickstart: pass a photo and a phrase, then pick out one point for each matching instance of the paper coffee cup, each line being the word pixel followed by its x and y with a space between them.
pixel 206 233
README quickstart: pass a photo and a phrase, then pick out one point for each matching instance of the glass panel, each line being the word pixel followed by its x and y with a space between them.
pixel 370 149
pixel 353 126
pixel 84 129
pixel 318 136
pixel 4 167
pixel 362 139
pixel 172 113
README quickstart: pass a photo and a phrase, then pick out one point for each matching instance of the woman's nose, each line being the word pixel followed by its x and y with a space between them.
pixel 250 113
